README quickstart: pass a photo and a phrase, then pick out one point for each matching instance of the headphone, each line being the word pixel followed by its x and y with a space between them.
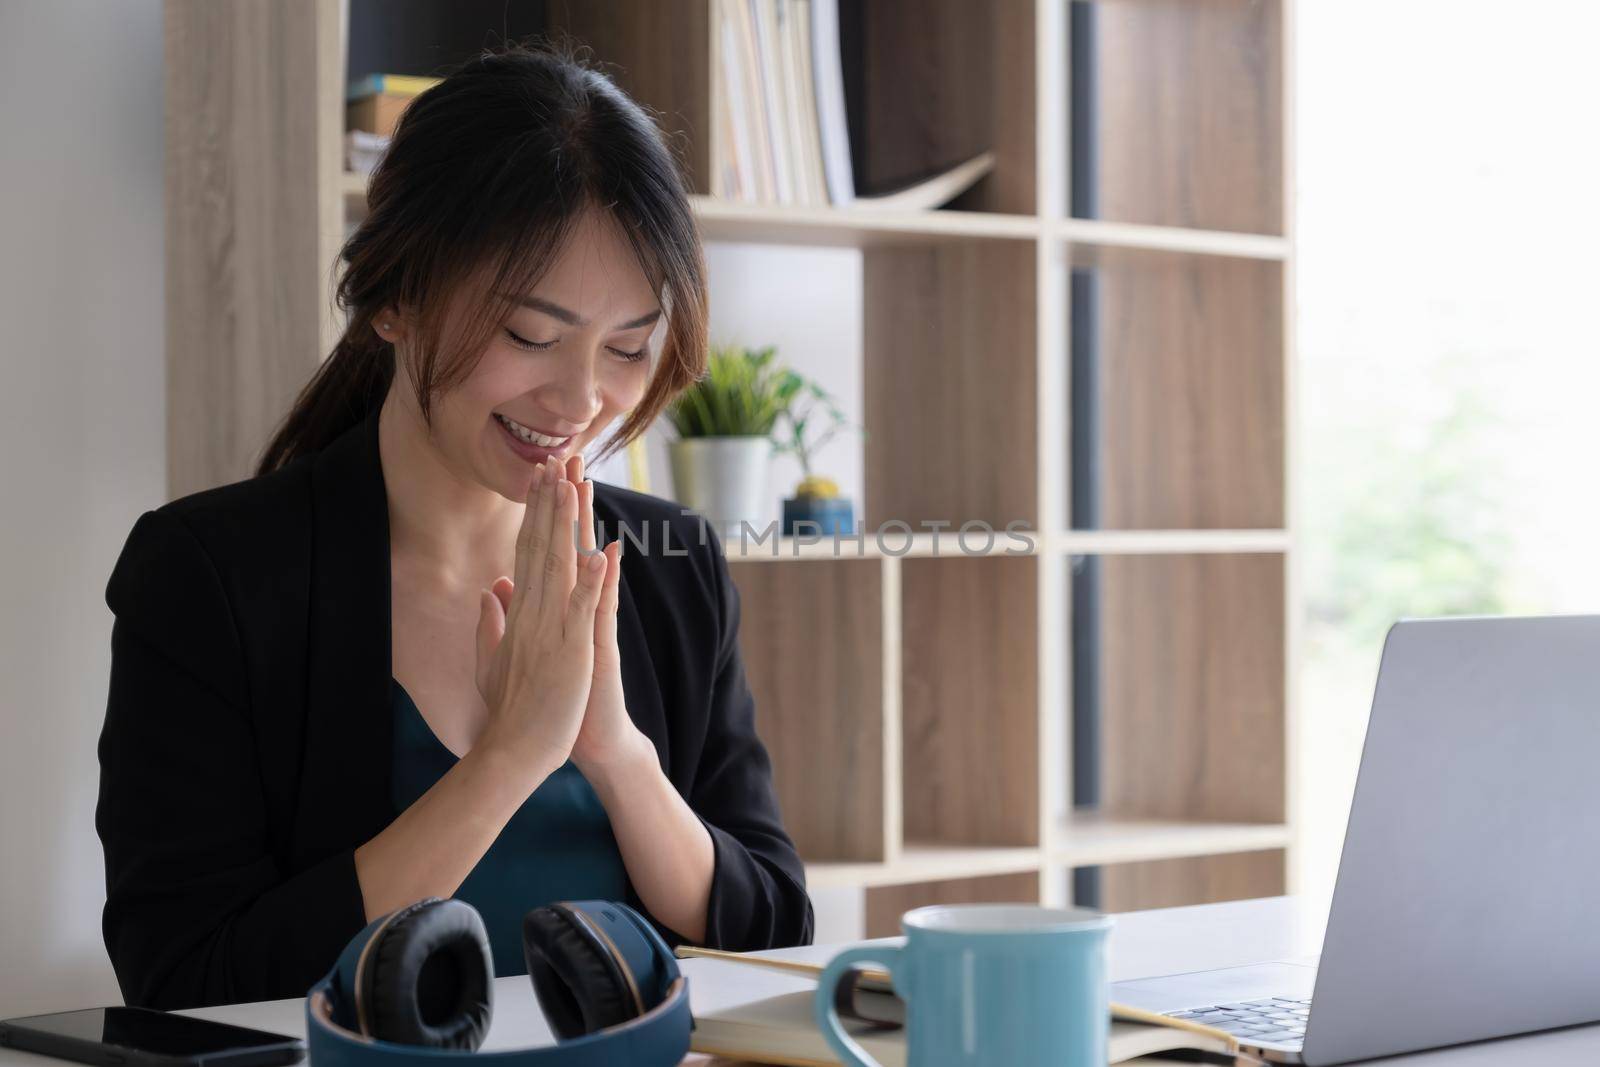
pixel 417 985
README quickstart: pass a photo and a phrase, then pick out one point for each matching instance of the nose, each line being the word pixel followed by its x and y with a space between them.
pixel 572 393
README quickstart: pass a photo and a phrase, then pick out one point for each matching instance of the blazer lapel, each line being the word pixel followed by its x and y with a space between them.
pixel 640 686
pixel 344 797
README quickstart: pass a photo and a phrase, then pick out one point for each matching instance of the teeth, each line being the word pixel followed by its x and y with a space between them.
pixel 532 437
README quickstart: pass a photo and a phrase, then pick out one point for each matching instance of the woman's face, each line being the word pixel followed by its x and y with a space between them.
pixel 572 357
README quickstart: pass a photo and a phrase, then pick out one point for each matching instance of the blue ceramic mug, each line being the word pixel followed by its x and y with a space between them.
pixel 987 984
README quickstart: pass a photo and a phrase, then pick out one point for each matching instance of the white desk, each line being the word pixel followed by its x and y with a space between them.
pixel 1143 944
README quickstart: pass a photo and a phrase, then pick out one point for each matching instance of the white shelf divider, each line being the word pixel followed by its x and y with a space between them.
pixel 1092 840
pixel 862 227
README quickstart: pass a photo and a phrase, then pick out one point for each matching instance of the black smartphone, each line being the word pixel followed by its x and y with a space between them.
pixel 144 1037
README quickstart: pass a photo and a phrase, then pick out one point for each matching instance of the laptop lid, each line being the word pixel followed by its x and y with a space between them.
pixel 1468 899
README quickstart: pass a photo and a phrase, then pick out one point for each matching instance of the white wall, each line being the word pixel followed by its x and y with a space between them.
pixel 82 450
pixel 807 302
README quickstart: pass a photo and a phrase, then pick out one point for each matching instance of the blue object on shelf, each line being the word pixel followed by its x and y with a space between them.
pixel 833 515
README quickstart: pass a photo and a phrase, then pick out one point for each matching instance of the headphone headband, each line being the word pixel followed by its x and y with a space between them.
pixel 339 1023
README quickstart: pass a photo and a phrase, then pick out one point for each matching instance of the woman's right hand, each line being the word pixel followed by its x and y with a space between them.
pixel 536 633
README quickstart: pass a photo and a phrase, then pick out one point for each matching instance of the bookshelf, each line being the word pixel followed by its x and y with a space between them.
pixel 932 690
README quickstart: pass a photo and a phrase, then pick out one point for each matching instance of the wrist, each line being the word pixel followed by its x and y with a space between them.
pixel 509 760
pixel 633 756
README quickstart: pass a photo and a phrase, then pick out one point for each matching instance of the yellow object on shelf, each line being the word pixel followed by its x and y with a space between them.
pixel 375 103
pixel 815 485
pixel 391 84
pixel 638 466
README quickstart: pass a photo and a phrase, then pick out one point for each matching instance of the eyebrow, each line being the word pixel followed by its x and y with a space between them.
pixel 571 318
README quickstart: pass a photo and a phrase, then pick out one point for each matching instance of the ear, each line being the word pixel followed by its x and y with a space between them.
pixel 389 324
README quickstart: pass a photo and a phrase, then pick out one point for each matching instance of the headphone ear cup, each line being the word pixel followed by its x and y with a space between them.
pixel 580 987
pixel 428 979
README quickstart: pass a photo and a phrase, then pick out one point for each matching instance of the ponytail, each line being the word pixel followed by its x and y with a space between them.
pixel 349 386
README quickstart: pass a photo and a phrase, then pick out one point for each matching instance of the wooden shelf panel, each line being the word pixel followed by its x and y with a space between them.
pixel 1192 880
pixel 926 862
pixel 251 139
pixel 813 640
pixel 886 904
pixel 1092 840
pixel 1192 687
pixel 940 81
pixel 970 704
pixel 1079 841
pixel 950 336
pixel 1182 395
pixel 1201 143
pixel 661 56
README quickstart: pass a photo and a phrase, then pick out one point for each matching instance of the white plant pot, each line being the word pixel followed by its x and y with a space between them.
pixel 724 479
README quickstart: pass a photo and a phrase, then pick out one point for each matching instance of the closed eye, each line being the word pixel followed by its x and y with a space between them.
pixel 523 342
pixel 539 346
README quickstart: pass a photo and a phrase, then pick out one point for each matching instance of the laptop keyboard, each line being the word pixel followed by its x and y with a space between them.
pixel 1272 1020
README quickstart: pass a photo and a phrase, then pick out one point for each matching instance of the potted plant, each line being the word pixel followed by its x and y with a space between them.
pixel 812 417
pixel 724 424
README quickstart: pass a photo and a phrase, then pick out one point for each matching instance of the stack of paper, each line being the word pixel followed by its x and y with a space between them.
pixel 769 1018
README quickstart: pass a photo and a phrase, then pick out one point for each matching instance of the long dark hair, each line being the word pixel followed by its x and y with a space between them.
pixel 485 176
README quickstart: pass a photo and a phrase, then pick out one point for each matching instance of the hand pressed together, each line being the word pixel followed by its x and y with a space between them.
pixel 547 661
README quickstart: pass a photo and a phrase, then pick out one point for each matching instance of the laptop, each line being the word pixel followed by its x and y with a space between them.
pixel 1467 904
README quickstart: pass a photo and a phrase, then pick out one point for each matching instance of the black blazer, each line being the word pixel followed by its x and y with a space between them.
pixel 247 742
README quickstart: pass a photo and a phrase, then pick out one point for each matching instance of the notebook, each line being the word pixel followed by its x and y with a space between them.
pixel 774 1025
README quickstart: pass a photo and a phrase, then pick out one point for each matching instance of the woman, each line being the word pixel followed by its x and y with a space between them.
pixel 394 665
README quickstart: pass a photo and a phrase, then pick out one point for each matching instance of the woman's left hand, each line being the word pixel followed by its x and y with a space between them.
pixel 665 846
pixel 608 739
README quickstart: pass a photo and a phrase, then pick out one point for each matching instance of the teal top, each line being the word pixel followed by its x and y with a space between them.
pixel 558 845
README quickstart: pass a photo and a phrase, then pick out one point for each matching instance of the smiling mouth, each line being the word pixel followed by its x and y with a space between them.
pixel 530 436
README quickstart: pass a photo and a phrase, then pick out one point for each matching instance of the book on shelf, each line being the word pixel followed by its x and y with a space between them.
pixel 833 125
pixel 373 103
pixel 407 85
pixel 772 1022
pixel 782 116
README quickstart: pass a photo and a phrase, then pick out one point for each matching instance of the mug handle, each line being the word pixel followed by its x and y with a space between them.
pixel 826 1013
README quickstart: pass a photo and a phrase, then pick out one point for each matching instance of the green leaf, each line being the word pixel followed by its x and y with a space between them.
pixel 747 392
